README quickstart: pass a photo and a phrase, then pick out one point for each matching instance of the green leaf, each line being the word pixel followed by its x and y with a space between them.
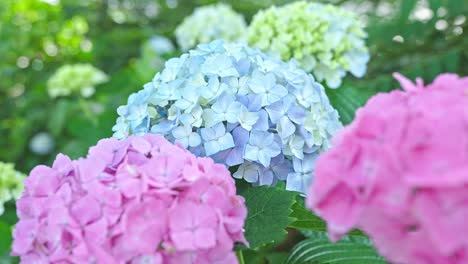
pixel 405 9
pixel 9 215
pixel 306 220
pixel 5 242
pixel 276 257
pixel 347 99
pixel 58 117
pixel 268 214
pixel 319 250
pixel 435 4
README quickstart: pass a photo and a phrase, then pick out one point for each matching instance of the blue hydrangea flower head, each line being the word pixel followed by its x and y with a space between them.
pixel 326 40
pixel 210 22
pixel 266 119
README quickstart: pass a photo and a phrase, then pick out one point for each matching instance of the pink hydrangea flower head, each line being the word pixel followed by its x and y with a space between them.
pixel 138 200
pixel 399 172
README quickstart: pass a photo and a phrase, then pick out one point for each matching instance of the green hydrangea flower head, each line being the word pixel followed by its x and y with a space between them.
pixel 208 23
pixel 75 78
pixel 11 184
pixel 325 40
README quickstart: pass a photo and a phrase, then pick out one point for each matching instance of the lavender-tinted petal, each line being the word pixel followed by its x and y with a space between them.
pixel 266 177
pixel 262 122
pixel 235 157
pixel 240 136
pixel 297 114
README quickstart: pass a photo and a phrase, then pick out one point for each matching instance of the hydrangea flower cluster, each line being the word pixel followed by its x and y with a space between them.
pixel 208 23
pixel 42 143
pixel 325 40
pixel 401 175
pixel 75 78
pixel 11 184
pixel 138 200
pixel 240 107
pixel 161 45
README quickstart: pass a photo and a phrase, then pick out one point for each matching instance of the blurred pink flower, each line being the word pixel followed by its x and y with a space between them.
pixel 138 200
pixel 399 172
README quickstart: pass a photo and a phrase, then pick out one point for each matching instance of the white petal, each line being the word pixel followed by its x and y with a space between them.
pixel 226 141
pixel 211 147
pixel 295 182
pixel 251 153
pixel 264 158
pixel 211 118
pixel 194 140
pixel 179 132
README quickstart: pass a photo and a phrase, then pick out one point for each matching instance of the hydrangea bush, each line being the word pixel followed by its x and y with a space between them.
pixel 11 184
pixel 401 174
pixel 138 200
pixel 75 78
pixel 240 107
pixel 325 40
pixel 208 23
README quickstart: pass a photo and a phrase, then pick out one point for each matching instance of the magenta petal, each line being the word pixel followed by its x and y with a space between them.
pixel 42 181
pixel 24 235
pixel 183 240
pixel 141 145
pixel 86 210
pixel 157 204
pixel 204 238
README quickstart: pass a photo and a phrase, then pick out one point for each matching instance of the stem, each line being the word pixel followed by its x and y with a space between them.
pixel 240 256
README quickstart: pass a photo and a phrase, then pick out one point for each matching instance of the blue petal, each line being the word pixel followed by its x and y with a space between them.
pixel 163 127
pixel 262 123
pixel 297 182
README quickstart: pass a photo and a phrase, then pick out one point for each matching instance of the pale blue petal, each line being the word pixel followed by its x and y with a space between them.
pixel 247 171
pixel 247 119
pixel 180 132
pixel 233 111
pixel 262 122
pixel 219 130
pixel 211 147
pixel 254 102
pixel 273 150
pixel 275 111
pixel 235 157
pixel 266 178
pixel 297 182
pixel 194 140
pixel 257 83
pixel 163 127
pixel 240 136
pixel 231 126
pixel 211 118
pixel 280 167
pixel 242 66
pixel 308 163
pixel 208 134
pixel 297 165
pixel 226 141
pixel 297 114
pixel 251 152
pixel 285 127
pixel 263 157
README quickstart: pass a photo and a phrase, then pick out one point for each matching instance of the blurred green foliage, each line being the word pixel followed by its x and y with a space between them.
pixel 414 37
